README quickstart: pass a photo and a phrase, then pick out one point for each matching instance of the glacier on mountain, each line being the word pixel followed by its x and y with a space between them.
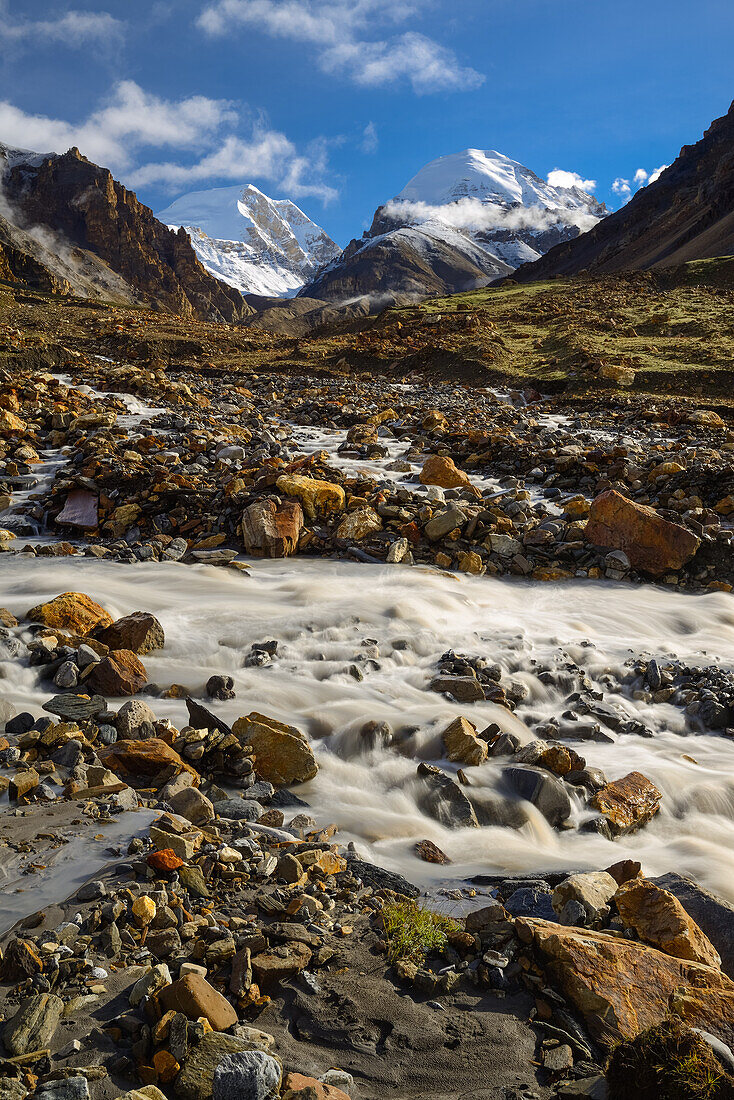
pixel 252 242
pixel 505 208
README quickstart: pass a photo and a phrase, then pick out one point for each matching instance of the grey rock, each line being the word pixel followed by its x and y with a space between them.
pixel 90 891
pixel 250 1075
pixel 76 707
pixel 196 1079
pixel 67 675
pixel 444 522
pixel 239 809
pixel 67 1088
pixel 531 901
pixel 338 1079
pixel 34 1024
pixel 545 791
pixel 135 721
pixel 444 799
pixel 592 890
pixel 372 875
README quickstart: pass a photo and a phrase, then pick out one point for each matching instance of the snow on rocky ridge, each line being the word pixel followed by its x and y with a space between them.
pixel 257 244
pixel 505 207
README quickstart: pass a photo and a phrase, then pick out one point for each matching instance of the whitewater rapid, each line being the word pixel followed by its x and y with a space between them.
pixel 393 623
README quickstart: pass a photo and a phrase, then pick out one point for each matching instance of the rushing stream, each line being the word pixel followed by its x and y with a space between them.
pixel 393 624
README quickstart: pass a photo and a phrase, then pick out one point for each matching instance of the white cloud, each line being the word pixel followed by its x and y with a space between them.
pixel 370 140
pixel 340 32
pixel 559 177
pixel 642 178
pixel 474 214
pixel 130 118
pixel 132 121
pixel 73 28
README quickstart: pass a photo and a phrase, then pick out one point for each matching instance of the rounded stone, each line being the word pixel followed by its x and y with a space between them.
pixel 250 1075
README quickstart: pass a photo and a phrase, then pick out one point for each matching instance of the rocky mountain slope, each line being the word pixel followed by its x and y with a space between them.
pixel 462 221
pixel 254 243
pixel 92 236
pixel 687 214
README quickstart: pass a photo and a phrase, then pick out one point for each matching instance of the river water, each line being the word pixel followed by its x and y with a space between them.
pixel 394 623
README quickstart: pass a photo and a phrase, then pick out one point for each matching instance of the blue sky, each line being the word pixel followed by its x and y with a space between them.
pixel 337 103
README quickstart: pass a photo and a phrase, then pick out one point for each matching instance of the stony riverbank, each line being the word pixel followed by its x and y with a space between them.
pixel 196 902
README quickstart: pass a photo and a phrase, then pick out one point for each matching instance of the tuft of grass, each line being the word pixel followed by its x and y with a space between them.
pixel 667 1062
pixel 412 932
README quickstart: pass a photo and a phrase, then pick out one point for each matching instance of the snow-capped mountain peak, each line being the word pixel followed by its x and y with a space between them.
pixel 491 177
pixel 505 207
pixel 257 244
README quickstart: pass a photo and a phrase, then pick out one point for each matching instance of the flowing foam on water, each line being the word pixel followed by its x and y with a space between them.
pixel 328 616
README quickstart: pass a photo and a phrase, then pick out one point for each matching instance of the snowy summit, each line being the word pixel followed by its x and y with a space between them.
pixel 257 244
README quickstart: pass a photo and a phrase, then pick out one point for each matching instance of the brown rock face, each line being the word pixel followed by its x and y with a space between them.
pixel 140 632
pixel 651 543
pixel 270 530
pixel 462 743
pixel 193 996
pixel 282 753
pixel 623 987
pixel 628 803
pixel 72 611
pixel 148 758
pixel 120 673
pixel 659 919
pixel 92 211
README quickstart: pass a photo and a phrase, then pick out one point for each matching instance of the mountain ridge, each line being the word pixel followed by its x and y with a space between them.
pixel 686 214
pixel 254 243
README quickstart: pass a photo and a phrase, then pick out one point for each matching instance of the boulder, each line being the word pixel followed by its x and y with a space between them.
pixel 195 997
pixel 622 987
pixel 462 743
pixel 652 544
pixel 270 529
pixel 120 673
pixel 541 788
pixel 627 803
pixel 72 611
pixel 193 805
pixel 592 890
pixel 443 799
pixel 282 753
pixel 318 498
pixel 445 521
pixel 251 1075
pixel 144 758
pixel 659 919
pixel 196 1079
pixel 34 1024
pixel 713 915
pixel 135 721
pixel 357 525
pixel 80 510
pixel 442 471
pixel 140 632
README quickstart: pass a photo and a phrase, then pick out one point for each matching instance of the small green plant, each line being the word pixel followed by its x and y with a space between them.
pixel 412 932
pixel 667 1062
